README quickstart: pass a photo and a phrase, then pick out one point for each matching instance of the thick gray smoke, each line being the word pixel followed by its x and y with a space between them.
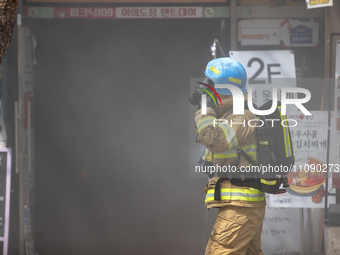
pixel 112 136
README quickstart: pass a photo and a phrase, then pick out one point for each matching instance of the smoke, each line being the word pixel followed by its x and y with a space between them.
pixel 112 136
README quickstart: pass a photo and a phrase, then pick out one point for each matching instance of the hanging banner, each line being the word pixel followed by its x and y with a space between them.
pixel 307 178
pixel 319 3
pixel 265 70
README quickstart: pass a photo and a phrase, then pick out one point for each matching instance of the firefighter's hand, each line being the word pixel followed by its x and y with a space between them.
pixel 210 103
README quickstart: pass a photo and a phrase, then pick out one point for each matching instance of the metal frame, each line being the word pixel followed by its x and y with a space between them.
pixel 20 116
pixel 330 107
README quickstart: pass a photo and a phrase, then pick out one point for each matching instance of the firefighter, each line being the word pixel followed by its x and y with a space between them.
pixel 238 226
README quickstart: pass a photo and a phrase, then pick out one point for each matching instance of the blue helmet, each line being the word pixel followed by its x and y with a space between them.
pixel 227 71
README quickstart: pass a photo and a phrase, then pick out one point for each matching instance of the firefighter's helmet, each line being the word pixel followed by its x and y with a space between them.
pixel 227 71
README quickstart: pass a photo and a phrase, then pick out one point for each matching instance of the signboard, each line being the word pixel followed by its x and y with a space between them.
pixel 307 179
pixel 172 12
pixel 5 192
pixel 260 36
pixel 267 69
pixel 319 3
pixel 259 32
pixel 159 12
pixel 296 33
pixel 280 234
pixel 287 32
pixel 301 35
pixel 84 12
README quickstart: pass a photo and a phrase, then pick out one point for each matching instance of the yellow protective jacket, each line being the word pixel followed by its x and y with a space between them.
pixel 221 142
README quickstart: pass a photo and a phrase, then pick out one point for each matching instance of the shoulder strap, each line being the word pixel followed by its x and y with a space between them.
pixel 241 152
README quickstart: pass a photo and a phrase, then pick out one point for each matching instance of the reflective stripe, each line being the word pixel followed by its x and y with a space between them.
pixel 235 80
pixel 249 149
pixel 230 135
pixel 286 135
pixel 237 194
pixel 263 142
pixel 208 121
pixel 268 182
pixel 226 154
pixel 214 70
pixel 207 156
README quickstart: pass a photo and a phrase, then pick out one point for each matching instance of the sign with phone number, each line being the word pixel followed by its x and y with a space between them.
pixel 165 12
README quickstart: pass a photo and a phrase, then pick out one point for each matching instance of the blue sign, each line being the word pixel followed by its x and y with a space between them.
pixel 301 35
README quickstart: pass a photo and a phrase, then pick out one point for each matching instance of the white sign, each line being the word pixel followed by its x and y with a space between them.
pixel 280 232
pixel 259 32
pixel 307 186
pixel 160 12
pixel 267 69
pixel 260 36
pixel 319 3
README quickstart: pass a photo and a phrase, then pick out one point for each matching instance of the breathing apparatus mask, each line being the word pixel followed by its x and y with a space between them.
pixel 195 98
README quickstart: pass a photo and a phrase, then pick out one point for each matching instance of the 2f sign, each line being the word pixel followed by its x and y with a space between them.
pixel 264 66
pixel 238 100
pixel 270 71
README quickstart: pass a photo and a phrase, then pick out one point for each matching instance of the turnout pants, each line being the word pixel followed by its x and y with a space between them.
pixel 237 231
